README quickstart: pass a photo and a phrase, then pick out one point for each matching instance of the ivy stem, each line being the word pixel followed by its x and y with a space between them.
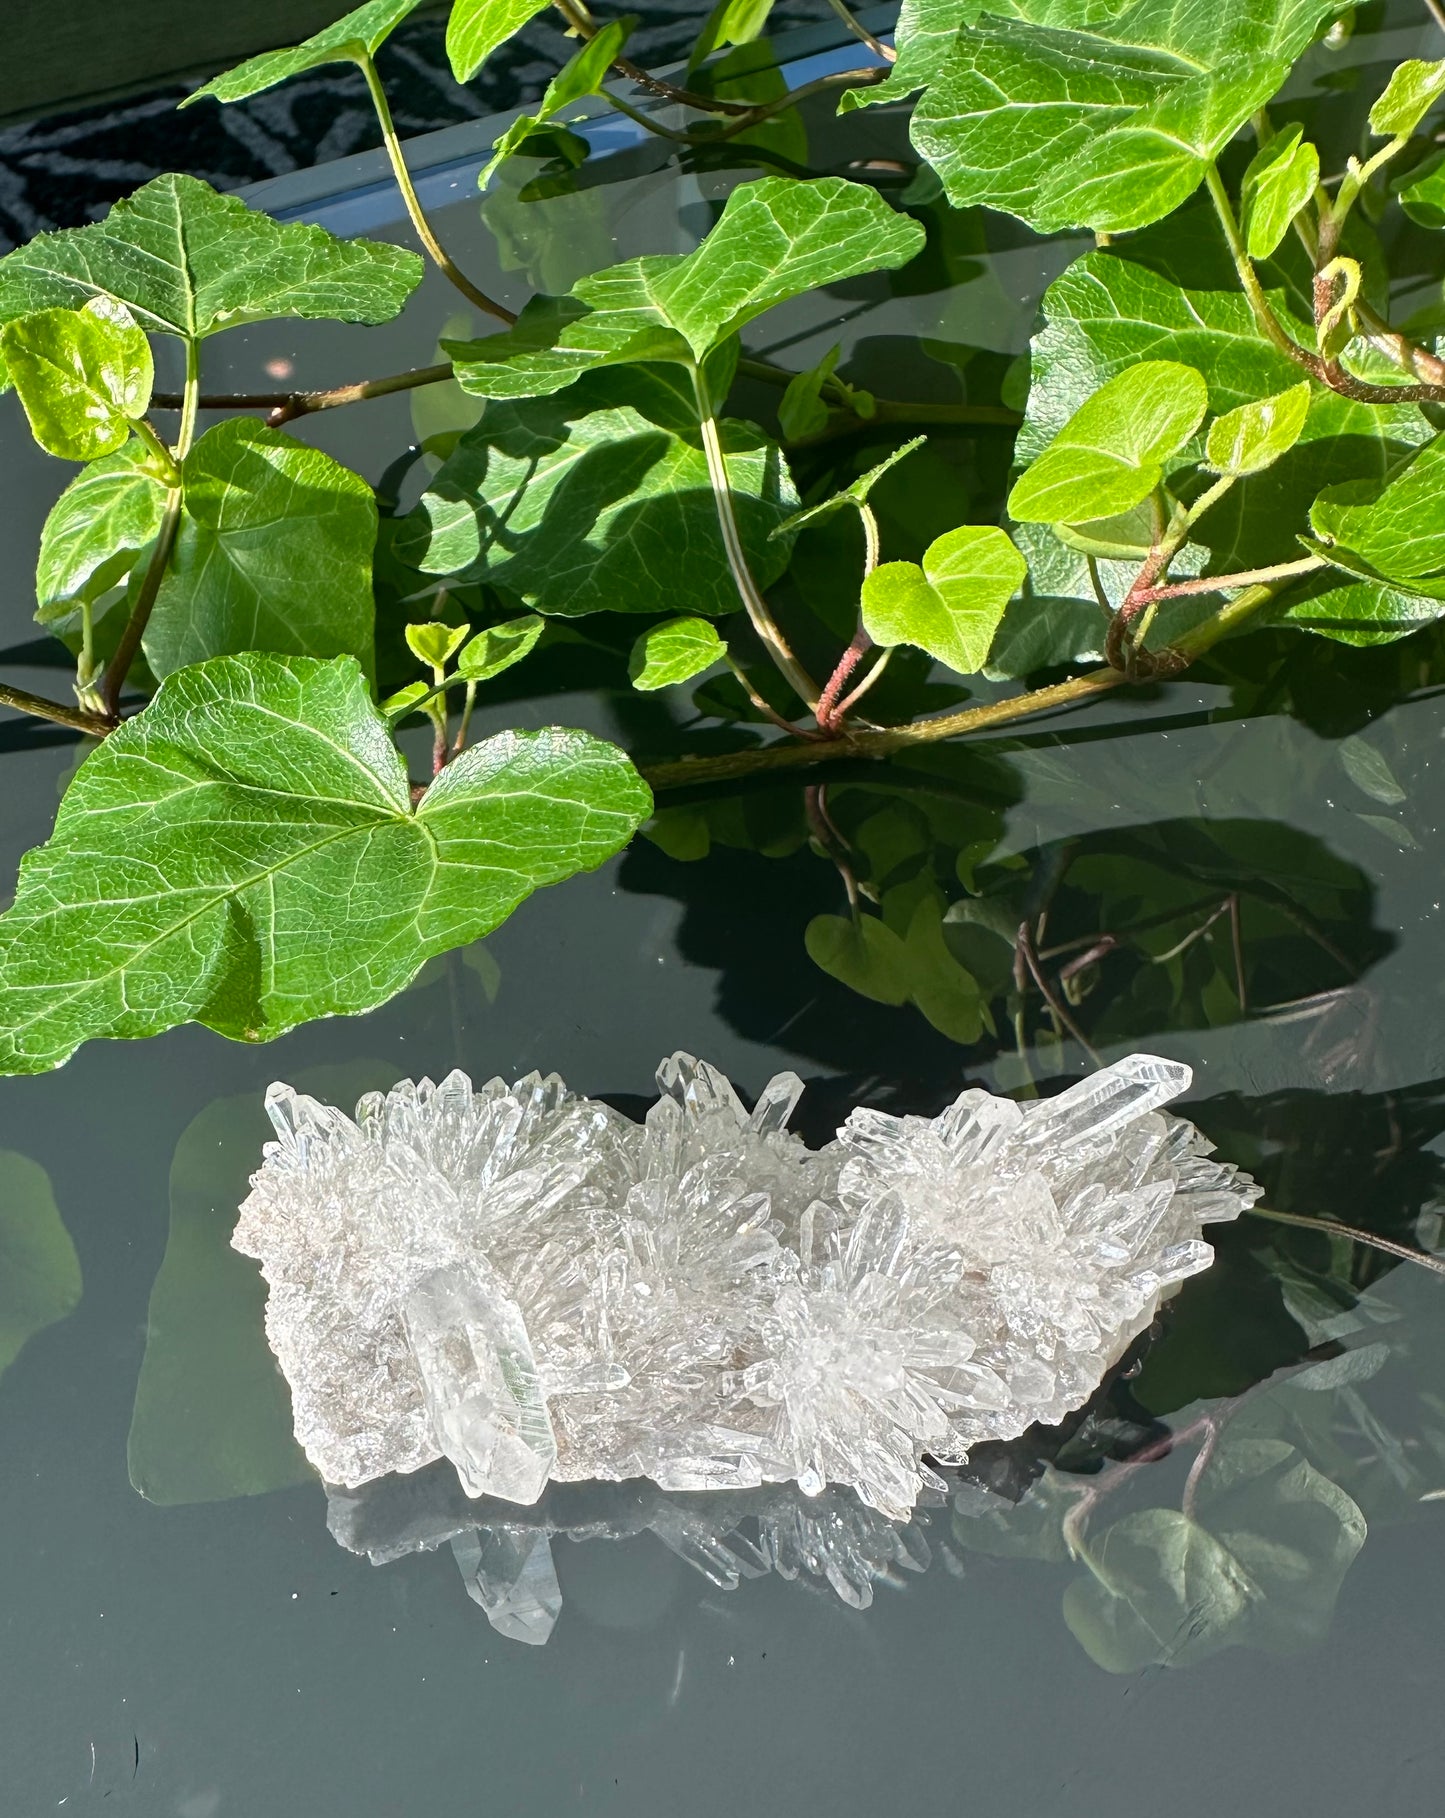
pixel 829 714
pixel 768 712
pixel 581 21
pixel 849 702
pixel 886 740
pixel 748 590
pixel 190 400
pixel 1336 1229
pixel 859 30
pixel 284 405
pixel 765 110
pixel 1249 577
pixel 125 651
pixel 162 455
pixel 1327 372
pixel 96 724
pixel 440 256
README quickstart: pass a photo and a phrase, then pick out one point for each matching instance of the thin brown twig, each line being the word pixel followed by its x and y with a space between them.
pixel 96 724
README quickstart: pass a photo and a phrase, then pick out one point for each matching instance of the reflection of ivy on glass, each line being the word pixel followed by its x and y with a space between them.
pixel 1217 427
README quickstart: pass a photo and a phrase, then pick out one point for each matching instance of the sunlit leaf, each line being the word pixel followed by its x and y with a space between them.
pixel 729 22
pixel 245 853
pixel 434 643
pixel 83 375
pixel 273 553
pixel 1398 528
pixel 584 502
pixel 39 1270
pixel 582 75
pixel 1413 89
pixel 478 27
pixel 357 33
pixel 923 37
pixel 674 651
pixel 951 605
pixel 1252 437
pixel 776 239
pixel 1108 311
pixel 96 530
pixel 1102 117
pixel 187 262
pixel 1111 452
pixel 498 647
pixel 1282 176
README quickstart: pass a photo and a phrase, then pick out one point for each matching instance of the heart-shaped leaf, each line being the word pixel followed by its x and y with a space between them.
pixel 1254 436
pixel 581 502
pixel 1111 452
pixel 273 552
pixel 83 375
pixel 435 643
pixel 674 651
pixel 952 605
pixel 357 33
pixel 775 239
pixel 478 27
pixel 187 262
pixel 201 853
pixel 1280 179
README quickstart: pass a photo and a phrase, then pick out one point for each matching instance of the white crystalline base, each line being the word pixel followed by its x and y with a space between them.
pixel 533 1286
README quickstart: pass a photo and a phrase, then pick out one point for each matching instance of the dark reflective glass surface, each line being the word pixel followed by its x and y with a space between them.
pixel 1218 1589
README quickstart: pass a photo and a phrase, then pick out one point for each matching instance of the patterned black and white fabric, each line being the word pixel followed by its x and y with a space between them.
pixel 67 170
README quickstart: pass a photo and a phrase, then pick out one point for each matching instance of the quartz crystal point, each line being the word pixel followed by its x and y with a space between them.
pixel 533 1286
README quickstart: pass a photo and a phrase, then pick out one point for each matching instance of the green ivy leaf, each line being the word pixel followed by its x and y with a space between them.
pixel 435 643
pixel 478 27
pixel 39 1270
pixel 1282 176
pixel 855 494
pixel 729 22
pixel 96 531
pixel 83 375
pixel 801 411
pixel 187 262
pixel 397 706
pixel 925 34
pixel 580 503
pixel 1413 89
pixel 674 651
pixel 1108 311
pixel 952 605
pixel 498 647
pixel 1111 452
pixel 356 34
pixel 1396 530
pixel 1423 198
pixel 273 552
pixel 776 239
pixel 1252 437
pixel 245 854
pixel 1105 117
pixel 583 75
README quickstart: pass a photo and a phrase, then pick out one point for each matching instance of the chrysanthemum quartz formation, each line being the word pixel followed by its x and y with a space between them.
pixel 535 1287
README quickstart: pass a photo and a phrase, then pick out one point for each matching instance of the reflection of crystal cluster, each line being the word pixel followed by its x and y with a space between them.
pixel 505 1552
pixel 537 1288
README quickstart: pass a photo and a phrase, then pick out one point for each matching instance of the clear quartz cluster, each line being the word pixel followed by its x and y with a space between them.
pixel 539 1289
